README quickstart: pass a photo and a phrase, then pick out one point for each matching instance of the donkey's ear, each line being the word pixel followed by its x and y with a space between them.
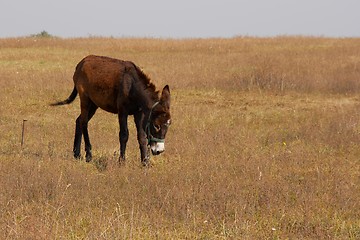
pixel 165 96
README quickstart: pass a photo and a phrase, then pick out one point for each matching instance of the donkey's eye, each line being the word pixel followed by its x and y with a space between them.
pixel 157 128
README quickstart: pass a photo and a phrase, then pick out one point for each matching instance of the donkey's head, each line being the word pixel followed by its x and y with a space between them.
pixel 159 122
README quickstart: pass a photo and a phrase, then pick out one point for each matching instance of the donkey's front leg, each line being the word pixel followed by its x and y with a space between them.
pixel 123 136
pixel 141 137
pixel 144 150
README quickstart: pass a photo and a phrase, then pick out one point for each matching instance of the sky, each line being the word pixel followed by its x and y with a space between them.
pixel 180 19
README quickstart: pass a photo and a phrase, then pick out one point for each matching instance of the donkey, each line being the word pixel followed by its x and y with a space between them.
pixel 120 87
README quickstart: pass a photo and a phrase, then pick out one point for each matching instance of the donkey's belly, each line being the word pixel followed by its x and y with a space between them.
pixel 105 102
pixel 110 109
pixel 110 105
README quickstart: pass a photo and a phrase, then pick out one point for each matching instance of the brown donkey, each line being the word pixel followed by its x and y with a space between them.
pixel 120 87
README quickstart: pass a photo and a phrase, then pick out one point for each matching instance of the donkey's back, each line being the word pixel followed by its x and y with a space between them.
pixel 101 80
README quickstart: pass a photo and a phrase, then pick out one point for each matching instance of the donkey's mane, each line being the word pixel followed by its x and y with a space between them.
pixel 149 86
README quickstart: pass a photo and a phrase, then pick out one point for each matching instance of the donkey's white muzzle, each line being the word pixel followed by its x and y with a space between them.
pixel 157 148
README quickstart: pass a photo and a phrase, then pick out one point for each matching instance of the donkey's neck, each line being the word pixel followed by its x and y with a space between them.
pixel 149 102
pixel 145 90
pixel 147 98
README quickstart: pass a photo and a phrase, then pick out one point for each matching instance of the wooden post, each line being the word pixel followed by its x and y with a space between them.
pixel 23 133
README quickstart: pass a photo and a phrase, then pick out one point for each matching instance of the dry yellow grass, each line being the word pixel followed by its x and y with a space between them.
pixel 264 142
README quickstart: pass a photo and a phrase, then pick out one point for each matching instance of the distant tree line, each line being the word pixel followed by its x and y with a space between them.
pixel 43 34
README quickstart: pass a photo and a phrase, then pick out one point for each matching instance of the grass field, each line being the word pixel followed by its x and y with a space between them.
pixel 264 142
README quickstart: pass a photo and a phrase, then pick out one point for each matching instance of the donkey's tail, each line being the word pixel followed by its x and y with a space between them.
pixel 69 100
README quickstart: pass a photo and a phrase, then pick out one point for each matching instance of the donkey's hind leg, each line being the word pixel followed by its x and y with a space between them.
pixel 77 139
pixel 88 109
pixel 92 109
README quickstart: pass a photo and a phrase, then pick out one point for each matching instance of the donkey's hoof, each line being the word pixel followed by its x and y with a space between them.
pixel 88 157
pixel 121 161
pixel 146 163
